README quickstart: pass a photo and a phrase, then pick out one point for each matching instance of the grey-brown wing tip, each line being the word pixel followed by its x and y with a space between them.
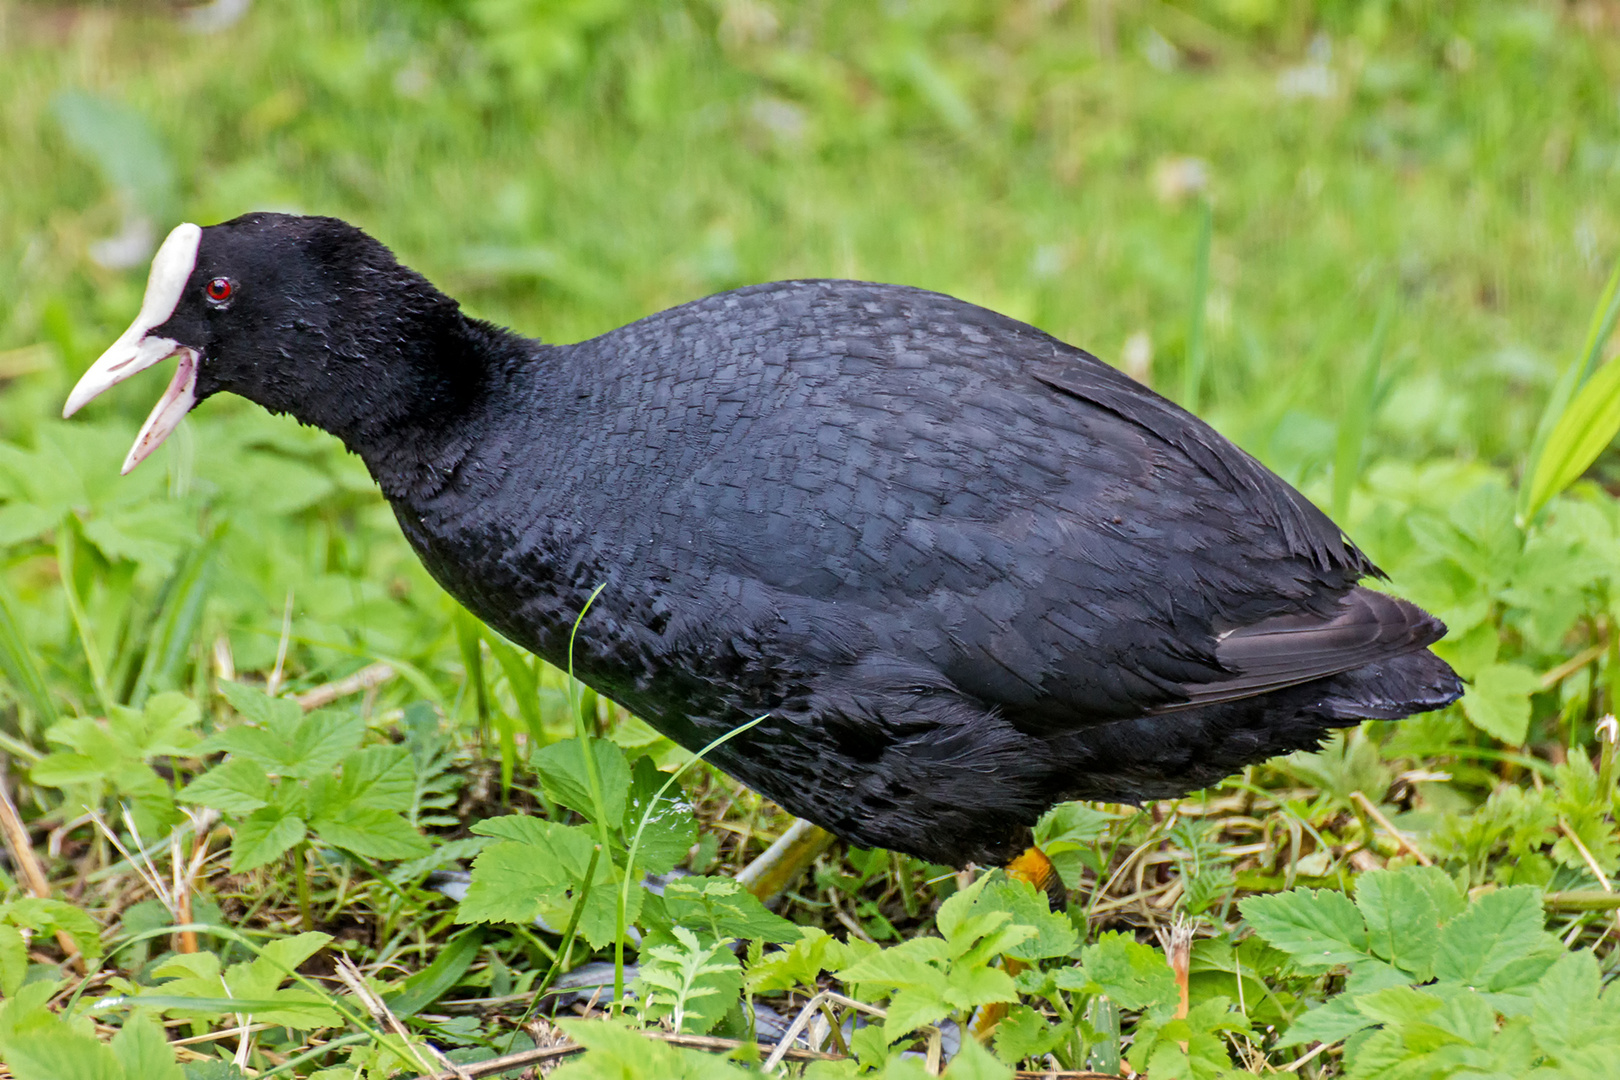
pixel 1287 650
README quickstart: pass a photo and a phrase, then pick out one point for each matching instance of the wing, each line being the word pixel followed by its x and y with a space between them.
pixel 832 470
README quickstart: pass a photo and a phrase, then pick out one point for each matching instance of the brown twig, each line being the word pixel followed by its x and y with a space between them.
pixel 712 1043
pixel 367 678
pixel 1389 827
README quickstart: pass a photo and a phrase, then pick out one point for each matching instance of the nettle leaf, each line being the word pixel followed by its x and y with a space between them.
pixel 238 786
pixel 723 908
pixel 369 832
pixel 670 829
pixel 1402 921
pixel 537 874
pixel 561 766
pixel 1499 943
pixel 1132 975
pixel 1565 1005
pixel 1319 929
pixel 1191 1047
pixel 264 835
pixel 692 984
pixel 617 1053
pixel 1339 1017
pixel 1024 1033
pixel 800 964
pixel 1028 907
pixel 259 978
pixel 48 916
pixel 143 1052
pixel 13 960
pixel 1498 701
pixel 379 778
pixel 257 707
pixel 1069 834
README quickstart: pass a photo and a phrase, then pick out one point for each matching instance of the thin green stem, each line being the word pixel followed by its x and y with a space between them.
pixel 301 872
pixel 635 845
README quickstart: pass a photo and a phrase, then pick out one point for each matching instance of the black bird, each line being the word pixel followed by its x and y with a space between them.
pixel 966 569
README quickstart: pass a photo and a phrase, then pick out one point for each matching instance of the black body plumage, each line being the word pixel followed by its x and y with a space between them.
pixel 965 569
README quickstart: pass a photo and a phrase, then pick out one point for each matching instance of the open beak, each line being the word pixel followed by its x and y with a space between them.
pixel 137 349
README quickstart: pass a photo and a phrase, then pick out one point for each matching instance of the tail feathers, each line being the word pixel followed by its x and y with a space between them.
pixel 1415 683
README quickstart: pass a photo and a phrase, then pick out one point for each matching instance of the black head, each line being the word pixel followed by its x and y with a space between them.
pixel 304 315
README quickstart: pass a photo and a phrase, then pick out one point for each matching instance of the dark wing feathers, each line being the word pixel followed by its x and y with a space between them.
pixel 1307 531
pixel 1287 650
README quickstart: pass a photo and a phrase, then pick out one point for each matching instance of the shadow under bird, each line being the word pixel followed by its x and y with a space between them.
pixel 965 570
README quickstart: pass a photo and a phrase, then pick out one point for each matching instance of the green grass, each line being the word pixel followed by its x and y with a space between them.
pixel 1396 274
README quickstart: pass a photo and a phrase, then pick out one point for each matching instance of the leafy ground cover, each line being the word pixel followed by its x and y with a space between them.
pixel 279 808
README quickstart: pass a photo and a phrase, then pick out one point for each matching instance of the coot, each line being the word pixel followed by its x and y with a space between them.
pixel 965 569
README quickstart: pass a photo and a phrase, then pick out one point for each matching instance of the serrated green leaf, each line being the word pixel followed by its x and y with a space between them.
pixel 1024 1033
pixel 1319 929
pixel 616 1053
pixel 371 833
pixel 671 828
pixel 49 916
pixel 1054 934
pixel 561 766
pixel 238 786
pixel 264 835
pixel 258 707
pixel 1498 701
pixel 13 960
pixel 722 908
pixel 1133 975
pixel 1402 921
pixel 974 1062
pixel 538 874
pixel 379 778
pixel 142 1051
pixel 1488 945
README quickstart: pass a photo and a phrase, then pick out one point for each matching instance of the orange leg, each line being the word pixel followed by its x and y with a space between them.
pixel 1034 867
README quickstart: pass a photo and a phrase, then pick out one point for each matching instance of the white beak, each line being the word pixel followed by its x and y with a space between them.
pixel 135 351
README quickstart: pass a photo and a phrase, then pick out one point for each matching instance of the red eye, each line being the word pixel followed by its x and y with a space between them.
pixel 219 289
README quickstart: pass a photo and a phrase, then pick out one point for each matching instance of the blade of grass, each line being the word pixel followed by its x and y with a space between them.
pixel 1192 369
pixel 635 844
pixel 1536 485
pixel 66 552
pixel 17 662
pixel 173 633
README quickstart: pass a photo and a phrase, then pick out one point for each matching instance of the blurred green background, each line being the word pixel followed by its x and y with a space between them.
pixel 1225 197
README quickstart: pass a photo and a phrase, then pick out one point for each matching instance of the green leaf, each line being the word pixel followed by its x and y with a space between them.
pixel 238 786
pixel 17 661
pixel 49 916
pixel 1499 943
pixel 13 960
pixel 431 983
pixel 58 1052
pixel 974 1062
pixel 257 707
pixel 371 833
pixel 1498 702
pixel 1054 933
pixel 1131 974
pixel 264 835
pixel 561 766
pixel 670 829
pixel 1320 930
pixel 379 778
pixel 616 1053
pixel 1024 1033
pixel 143 1052
pixel 800 964
pixel 537 875
pixel 723 908
pixel 1534 495
pixel 689 982
pixel 1402 921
